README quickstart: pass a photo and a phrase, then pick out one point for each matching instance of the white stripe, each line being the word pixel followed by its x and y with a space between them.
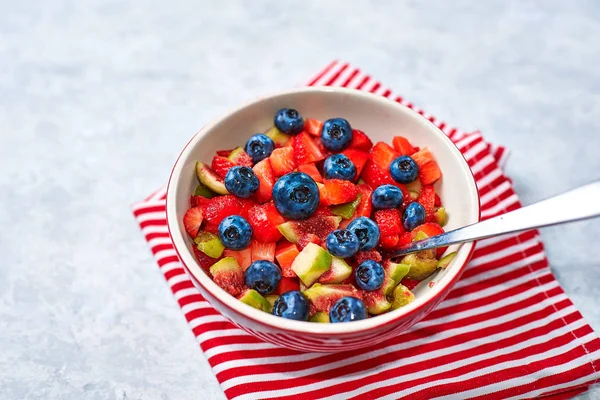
pixel 495 193
pixel 393 364
pixel 500 271
pixel 473 151
pixel 496 368
pixel 467 140
pixel 370 85
pixel 196 322
pixel 489 178
pixel 158 194
pixel 229 348
pixel 195 305
pixel 165 253
pixel 174 280
pixel 155 229
pixel 482 164
pixel 219 333
pixel 572 384
pixel 506 252
pixel 343 76
pixel 157 215
pixel 501 206
pixel 180 294
pixel 247 362
pixel 159 241
pixel 170 266
pixel 358 79
pixel 529 278
pixel 329 74
pixel 149 203
pixel 523 380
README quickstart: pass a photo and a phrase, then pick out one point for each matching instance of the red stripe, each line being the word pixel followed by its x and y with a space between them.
pixel 362 83
pixel 149 209
pixel 322 73
pixel 376 86
pixel 386 93
pixel 336 75
pixel 350 77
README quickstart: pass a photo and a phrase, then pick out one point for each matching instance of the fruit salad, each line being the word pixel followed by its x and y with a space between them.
pixel 299 221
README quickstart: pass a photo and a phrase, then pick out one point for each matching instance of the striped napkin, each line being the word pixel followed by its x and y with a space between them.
pixel 506 330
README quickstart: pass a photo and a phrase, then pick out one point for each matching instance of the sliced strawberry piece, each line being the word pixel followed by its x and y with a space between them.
pixel 198 201
pixel 422 157
pixel 438 201
pixel 427 200
pixel 312 171
pixel 246 204
pixel 264 173
pixel 390 227
pixel 313 126
pixel 405 239
pixel 365 207
pixel 375 176
pixel 430 173
pixel 286 253
pixel 221 165
pixel 218 208
pixel 243 257
pixel 192 220
pixel 389 242
pixel 383 154
pixel 403 146
pixel 358 158
pixel 338 191
pixel 241 158
pixel 224 153
pixel 282 161
pixel 287 284
pixel 410 283
pixel 428 228
pixel 264 220
pixel 360 141
pixel 263 251
pixel 306 150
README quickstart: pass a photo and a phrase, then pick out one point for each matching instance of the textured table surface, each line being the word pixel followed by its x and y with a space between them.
pixel 98 97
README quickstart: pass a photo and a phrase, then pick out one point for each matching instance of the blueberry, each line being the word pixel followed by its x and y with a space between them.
pixel 367 232
pixel 289 121
pixel 413 216
pixel 336 134
pixel 241 181
pixel 296 195
pixel 387 196
pixel 342 243
pixel 369 275
pixel 259 147
pixel 262 276
pixel 404 169
pixel 235 232
pixel 292 305
pixel 338 166
pixel 347 309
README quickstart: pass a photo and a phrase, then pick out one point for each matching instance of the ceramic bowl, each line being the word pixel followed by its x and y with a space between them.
pixel 381 119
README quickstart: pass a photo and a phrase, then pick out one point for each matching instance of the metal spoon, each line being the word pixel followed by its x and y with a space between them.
pixel 574 205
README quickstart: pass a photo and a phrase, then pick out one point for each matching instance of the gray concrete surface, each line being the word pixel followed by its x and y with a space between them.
pixel 98 97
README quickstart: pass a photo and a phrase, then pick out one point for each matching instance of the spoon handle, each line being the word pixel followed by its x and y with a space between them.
pixel 574 205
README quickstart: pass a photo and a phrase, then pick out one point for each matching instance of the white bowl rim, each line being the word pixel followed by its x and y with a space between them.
pixel 278 323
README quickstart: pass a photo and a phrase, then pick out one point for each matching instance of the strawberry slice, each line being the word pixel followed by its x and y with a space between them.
pixel 360 141
pixel 390 227
pixel 192 220
pixel 427 200
pixel 312 171
pixel 410 283
pixel 243 257
pixel 338 191
pixel 306 150
pixel 221 165
pixel 282 161
pixel 264 173
pixel 428 228
pixel 429 170
pixel 313 126
pixel 309 238
pixel 383 154
pixel 218 208
pixel 224 153
pixel 364 208
pixel 403 146
pixel 204 261
pixel 198 201
pixel 264 219
pixel 404 239
pixel 263 251
pixel 375 176
pixel 286 253
pixel 363 256
pixel 438 201
pixel 358 158
pixel 287 284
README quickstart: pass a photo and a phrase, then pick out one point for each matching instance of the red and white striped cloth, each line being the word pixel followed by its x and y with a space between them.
pixel 507 329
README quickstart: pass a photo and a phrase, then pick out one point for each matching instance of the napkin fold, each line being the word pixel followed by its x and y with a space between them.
pixel 506 330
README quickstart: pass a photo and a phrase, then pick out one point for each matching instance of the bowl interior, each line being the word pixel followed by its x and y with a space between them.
pixel 379 118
